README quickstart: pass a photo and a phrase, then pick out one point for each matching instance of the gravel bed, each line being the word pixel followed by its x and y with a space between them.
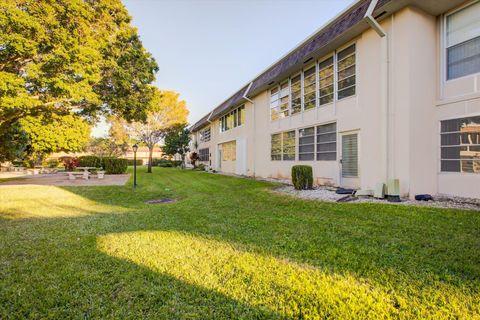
pixel 329 195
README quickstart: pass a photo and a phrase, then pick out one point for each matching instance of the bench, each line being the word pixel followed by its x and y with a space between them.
pixel 72 175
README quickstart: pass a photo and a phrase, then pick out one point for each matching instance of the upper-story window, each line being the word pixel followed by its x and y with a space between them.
pixel 309 88
pixel 280 101
pixel 463 42
pixel 296 94
pixel 205 135
pixel 325 76
pixel 233 119
pixel 336 78
pixel 346 72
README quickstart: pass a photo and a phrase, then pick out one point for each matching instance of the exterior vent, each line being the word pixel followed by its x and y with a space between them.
pixel 308 60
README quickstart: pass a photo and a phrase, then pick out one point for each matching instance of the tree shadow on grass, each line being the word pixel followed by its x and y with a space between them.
pixel 425 260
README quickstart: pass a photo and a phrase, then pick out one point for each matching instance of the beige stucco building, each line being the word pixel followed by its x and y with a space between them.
pixel 388 89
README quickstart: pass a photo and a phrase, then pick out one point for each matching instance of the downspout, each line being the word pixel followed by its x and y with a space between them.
pixel 385 86
pixel 254 127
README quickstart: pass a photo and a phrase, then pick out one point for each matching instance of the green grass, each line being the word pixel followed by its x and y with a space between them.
pixel 229 249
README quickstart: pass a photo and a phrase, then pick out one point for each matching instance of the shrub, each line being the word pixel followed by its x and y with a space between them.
pixel 177 163
pixel 302 177
pixel 90 161
pixel 200 167
pixel 70 163
pixel 115 165
pixel 138 161
pixel 52 163
pixel 194 158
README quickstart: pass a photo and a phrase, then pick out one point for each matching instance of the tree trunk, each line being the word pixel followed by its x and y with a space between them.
pixel 150 158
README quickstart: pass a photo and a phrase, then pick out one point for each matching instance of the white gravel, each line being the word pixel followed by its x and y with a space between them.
pixel 329 195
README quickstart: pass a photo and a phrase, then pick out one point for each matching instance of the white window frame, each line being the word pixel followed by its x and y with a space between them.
pixel 232 112
pixel 444 66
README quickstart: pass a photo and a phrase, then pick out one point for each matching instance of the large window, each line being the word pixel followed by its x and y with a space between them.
pixel 325 76
pixel 327 142
pixel 309 88
pixel 233 119
pixel 306 144
pixel 460 145
pixel 283 146
pixel 336 81
pixel 229 151
pixel 463 42
pixel 205 135
pixel 204 154
pixel 346 72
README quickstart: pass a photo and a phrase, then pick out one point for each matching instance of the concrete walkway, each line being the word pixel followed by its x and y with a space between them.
pixel 61 179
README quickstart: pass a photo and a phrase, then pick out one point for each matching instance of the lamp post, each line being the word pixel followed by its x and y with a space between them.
pixel 135 148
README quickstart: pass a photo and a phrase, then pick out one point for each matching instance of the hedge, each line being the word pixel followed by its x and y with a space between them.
pixel 166 163
pixel 90 161
pixel 138 161
pixel 115 165
pixel 302 177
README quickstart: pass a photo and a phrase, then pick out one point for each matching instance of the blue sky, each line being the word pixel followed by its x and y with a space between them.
pixel 208 49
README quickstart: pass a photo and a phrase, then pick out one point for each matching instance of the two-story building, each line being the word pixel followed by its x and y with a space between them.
pixel 388 89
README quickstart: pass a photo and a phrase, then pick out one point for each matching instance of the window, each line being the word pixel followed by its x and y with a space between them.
pixel 229 151
pixel 325 75
pixel 460 145
pixel 346 72
pixel 284 99
pixel 233 119
pixel 306 144
pixel 296 94
pixel 327 142
pixel 463 42
pixel 276 147
pixel 280 101
pixel 283 146
pixel 288 145
pixel 205 135
pixel 204 154
pixel 309 88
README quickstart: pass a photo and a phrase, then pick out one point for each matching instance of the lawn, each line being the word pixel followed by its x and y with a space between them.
pixel 229 249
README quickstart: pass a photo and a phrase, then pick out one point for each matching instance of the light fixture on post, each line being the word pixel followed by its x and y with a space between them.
pixel 135 148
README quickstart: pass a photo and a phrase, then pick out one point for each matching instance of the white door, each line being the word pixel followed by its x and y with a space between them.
pixel 241 156
pixel 350 177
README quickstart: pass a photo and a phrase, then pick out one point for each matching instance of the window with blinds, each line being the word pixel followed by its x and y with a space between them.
pixel 463 41
pixel 460 145
pixel 204 154
pixel 327 142
pixel 306 144
pixel 229 151
pixel 350 155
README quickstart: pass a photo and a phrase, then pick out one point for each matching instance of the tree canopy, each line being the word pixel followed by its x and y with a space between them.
pixel 71 58
pixel 165 110
pixel 177 141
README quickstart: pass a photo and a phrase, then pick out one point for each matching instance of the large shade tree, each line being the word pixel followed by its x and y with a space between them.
pixel 78 58
pixel 165 111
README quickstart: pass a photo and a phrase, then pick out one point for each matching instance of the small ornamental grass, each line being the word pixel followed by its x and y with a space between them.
pixel 302 177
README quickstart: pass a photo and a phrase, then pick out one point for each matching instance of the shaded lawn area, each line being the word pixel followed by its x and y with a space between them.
pixel 229 249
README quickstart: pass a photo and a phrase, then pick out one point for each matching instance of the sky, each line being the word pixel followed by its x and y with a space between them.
pixel 208 49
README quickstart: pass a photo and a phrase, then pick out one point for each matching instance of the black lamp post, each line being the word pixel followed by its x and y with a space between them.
pixel 135 148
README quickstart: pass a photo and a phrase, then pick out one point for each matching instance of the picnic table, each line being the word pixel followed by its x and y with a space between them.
pixel 85 174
